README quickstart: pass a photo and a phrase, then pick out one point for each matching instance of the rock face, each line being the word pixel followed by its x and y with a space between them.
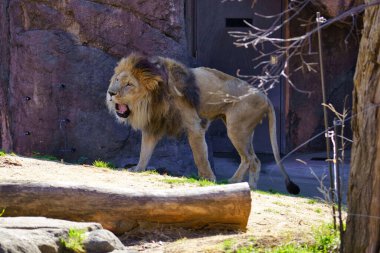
pixel 56 61
pixel 39 234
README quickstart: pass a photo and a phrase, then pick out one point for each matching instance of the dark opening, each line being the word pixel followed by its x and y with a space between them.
pixel 238 22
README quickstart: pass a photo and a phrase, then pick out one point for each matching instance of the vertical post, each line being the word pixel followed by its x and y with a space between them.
pixel 338 181
pixel 286 81
pixel 325 115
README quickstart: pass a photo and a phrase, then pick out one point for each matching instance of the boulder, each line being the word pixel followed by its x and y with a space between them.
pixel 100 241
pixel 40 234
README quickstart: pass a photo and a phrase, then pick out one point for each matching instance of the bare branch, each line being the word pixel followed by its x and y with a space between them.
pixel 285 49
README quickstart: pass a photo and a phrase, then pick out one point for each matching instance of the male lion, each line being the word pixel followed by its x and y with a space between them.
pixel 160 96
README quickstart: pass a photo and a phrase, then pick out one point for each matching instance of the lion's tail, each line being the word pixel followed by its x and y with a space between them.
pixel 290 186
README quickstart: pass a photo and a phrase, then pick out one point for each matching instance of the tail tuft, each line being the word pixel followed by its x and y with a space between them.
pixel 292 188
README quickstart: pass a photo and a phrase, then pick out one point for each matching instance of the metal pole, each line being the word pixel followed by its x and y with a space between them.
pixel 338 185
pixel 325 116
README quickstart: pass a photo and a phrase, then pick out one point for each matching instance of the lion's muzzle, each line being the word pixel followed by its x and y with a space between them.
pixel 122 111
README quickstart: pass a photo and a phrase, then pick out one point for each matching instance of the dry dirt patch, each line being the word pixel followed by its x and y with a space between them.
pixel 275 219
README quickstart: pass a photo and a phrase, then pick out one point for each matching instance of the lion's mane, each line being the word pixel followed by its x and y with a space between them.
pixel 164 80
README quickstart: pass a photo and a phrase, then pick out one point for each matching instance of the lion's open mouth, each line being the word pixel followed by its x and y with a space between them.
pixel 122 110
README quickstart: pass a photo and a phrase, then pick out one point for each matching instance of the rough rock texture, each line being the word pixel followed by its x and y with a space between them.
pixel 56 61
pixel 39 234
pixel 100 241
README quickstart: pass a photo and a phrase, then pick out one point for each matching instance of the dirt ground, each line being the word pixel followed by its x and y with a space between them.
pixel 274 220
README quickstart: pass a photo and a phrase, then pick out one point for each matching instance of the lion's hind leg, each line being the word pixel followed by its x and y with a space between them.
pixel 254 169
pixel 242 141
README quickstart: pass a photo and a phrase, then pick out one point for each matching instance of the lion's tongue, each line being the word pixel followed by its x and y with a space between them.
pixel 122 109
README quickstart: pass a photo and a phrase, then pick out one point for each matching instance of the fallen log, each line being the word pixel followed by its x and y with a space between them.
pixel 225 206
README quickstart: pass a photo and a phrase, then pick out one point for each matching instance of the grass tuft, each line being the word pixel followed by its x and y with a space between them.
pixel 74 241
pixel 228 245
pixel 2 153
pixel 189 180
pixel 150 172
pixel 102 164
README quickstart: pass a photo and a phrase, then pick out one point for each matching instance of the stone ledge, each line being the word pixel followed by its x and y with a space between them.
pixel 40 234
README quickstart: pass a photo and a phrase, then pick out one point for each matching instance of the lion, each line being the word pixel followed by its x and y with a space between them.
pixel 161 96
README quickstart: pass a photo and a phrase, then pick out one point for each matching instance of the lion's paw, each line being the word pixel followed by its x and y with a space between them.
pixel 136 169
pixel 211 178
pixel 234 180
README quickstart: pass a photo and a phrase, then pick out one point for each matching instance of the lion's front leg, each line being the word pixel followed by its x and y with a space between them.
pixel 199 147
pixel 148 143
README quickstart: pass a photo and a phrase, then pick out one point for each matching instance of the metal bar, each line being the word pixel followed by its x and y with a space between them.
pixel 286 94
pixel 338 182
pixel 325 115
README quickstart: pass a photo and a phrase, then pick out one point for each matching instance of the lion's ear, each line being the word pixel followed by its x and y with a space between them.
pixel 148 72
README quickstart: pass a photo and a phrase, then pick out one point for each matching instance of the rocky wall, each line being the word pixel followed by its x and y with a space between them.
pixel 56 61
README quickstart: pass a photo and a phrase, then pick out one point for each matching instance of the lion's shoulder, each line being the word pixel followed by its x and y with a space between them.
pixel 182 80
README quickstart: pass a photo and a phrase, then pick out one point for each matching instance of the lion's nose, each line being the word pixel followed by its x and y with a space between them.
pixel 111 93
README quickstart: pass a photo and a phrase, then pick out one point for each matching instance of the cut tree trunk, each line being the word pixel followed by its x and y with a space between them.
pixel 6 141
pixel 363 222
pixel 121 211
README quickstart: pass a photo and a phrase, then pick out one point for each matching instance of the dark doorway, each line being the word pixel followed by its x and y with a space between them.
pixel 209 22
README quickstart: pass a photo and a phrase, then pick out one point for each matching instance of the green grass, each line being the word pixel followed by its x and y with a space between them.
pixel 2 212
pixel 318 210
pixel 311 201
pixel 189 180
pixel 3 153
pixel 150 172
pixel 326 240
pixel 102 164
pixel 228 245
pixel 289 248
pixel 44 157
pixel 271 192
pixel 74 240
pixel 279 203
